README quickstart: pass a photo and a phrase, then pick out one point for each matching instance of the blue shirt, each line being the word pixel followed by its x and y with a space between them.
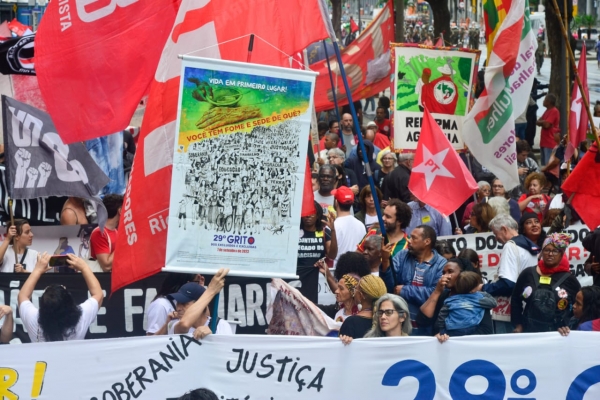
pixel 418 279
pixel 428 215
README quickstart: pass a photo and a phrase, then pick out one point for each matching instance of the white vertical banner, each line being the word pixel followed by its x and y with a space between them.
pixel 238 168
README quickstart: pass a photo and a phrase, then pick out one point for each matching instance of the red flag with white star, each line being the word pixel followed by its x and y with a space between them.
pixel 439 178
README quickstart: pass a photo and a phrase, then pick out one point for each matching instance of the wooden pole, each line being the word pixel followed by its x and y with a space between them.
pixel 12 223
pixel 567 70
pixel 584 97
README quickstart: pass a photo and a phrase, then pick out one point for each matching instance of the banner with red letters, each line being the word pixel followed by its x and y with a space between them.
pixel 210 29
pixel 96 59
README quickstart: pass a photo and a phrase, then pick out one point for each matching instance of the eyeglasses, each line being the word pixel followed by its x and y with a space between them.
pixel 386 312
pixel 498 186
pixel 552 252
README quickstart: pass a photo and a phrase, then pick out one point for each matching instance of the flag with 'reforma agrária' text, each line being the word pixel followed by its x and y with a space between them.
pixel 489 129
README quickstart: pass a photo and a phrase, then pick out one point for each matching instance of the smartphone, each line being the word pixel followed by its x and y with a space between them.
pixel 60 264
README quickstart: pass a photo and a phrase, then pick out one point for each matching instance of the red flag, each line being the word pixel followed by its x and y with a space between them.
pixel 353 25
pixel 96 59
pixel 439 178
pixel 584 181
pixel 224 33
pixel 366 61
pixel 308 196
pixel 439 43
pixel 578 118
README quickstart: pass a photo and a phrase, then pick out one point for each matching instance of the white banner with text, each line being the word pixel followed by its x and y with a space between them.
pixel 532 366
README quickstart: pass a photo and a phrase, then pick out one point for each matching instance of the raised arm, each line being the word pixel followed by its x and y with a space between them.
pixel 91 281
pixel 10 233
pixel 41 267
pixel 195 311
pixel 7 326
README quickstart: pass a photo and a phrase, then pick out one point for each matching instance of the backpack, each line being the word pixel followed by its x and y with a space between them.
pixel 542 312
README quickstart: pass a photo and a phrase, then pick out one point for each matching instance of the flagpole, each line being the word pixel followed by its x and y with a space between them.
pixel 335 103
pixel 470 169
pixel 12 223
pixel 360 139
pixel 584 97
pixel 568 79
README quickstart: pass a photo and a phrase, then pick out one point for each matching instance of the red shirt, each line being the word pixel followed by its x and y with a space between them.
pixel 547 137
pixel 536 206
pixel 384 127
pixel 102 243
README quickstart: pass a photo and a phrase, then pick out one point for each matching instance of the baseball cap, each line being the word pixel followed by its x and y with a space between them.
pixel 343 195
pixel 189 292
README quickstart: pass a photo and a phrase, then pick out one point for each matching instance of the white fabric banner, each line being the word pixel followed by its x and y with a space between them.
pixel 238 168
pixel 525 366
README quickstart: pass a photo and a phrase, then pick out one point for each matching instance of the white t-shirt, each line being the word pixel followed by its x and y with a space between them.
pixel 349 232
pixel 341 316
pixel 158 311
pixel 370 220
pixel 514 260
pixel 29 315
pixel 223 327
pixel 8 262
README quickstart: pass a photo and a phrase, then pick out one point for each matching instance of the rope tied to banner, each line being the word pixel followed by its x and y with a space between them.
pixel 306 67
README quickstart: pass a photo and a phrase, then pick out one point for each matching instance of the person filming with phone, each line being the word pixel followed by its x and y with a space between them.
pixel 15 254
pixel 58 317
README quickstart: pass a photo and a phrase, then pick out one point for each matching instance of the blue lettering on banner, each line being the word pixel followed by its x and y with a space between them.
pixel 496 382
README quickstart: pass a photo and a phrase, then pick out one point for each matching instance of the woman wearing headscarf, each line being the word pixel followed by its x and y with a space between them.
pixel 430 310
pixel 391 317
pixel 530 226
pixel 548 290
pixel 369 290
pixel 344 296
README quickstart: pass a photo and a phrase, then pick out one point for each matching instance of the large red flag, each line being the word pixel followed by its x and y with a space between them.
pixel 221 31
pixel 439 178
pixel 578 118
pixel 366 62
pixel 584 181
pixel 96 59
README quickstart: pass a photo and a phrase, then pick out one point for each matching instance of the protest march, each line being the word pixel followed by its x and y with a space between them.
pixel 299 200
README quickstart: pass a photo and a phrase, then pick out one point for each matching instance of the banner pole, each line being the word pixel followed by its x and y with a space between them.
pixel 12 223
pixel 215 313
pixel 250 47
pixel 360 139
pixel 335 103
pixel 584 96
pixel 467 153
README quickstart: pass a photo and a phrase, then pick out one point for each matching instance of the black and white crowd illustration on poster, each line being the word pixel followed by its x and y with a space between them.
pixel 238 169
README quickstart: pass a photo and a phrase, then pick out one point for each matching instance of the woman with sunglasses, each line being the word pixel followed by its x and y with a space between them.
pixel 548 290
pixel 390 317
pixel 58 317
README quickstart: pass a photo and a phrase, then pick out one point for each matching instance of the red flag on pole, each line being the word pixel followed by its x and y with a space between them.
pixel 439 178
pixel 584 181
pixel 578 118
pixel 207 29
pixel 440 42
pixel 353 25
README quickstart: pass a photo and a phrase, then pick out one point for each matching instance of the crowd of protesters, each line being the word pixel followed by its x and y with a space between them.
pixel 406 282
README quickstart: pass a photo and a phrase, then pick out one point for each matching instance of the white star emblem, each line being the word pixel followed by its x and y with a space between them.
pixel 432 166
